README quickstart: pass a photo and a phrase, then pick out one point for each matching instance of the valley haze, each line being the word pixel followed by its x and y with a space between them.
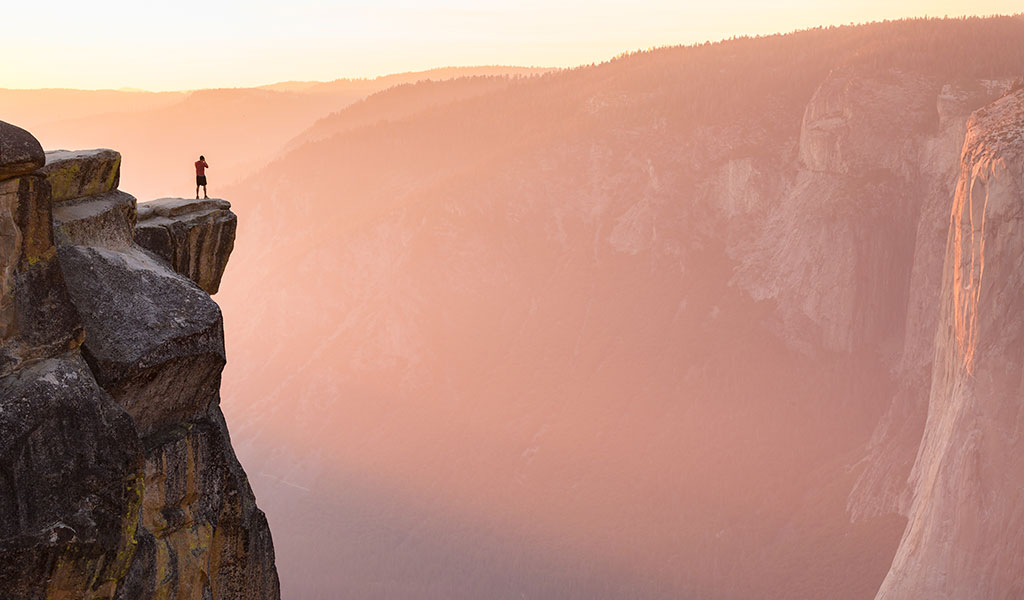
pixel 725 320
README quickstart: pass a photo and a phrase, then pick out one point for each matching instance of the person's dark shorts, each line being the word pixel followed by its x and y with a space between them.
pixel 200 179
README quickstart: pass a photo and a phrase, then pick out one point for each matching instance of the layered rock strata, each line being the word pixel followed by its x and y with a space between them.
pixel 117 476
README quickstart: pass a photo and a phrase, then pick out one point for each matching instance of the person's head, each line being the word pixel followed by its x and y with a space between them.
pixel 201 157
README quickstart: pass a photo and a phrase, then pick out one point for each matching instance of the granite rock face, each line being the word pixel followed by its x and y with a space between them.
pixel 117 476
pixel 71 484
pixel 963 539
pixel 106 220
pixel 80 173
pixel 209 534
pixel 154 340
pixel 37 318
pixel 195 236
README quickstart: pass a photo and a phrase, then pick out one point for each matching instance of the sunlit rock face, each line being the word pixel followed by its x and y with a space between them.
pixel 963 539
pixel 117 476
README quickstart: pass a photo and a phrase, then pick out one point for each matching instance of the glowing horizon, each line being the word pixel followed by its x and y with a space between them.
pixel 236 44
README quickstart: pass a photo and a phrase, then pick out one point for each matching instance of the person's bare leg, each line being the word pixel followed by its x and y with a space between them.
pixel 197 192
pixel 204 193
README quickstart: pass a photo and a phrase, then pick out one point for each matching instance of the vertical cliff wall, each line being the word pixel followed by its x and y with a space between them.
pixel 117 475
pixel 963 538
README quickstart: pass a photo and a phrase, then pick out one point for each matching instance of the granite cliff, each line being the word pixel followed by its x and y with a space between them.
pixel 117 475
pixel 963 538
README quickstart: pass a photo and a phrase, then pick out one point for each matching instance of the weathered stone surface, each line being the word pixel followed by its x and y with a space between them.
pixel 964 539
pixel 210 538
pixel 138 583
pixel 20 152
pixel 106 220
pixel 37 318
pixel 71 468
pixel 195 236
pixel 175 207
pixel 154 340
pixel 77 173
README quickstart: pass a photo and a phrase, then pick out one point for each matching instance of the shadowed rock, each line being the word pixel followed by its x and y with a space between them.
pixel 37 318
pixel 154 340
pixel 195 236
pixel 20 151
pixel 71 470
pixel 73 174
pixel 199 497
pixel 106 220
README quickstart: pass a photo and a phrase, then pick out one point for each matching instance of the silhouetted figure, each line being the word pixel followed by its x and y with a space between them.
pixel 201 168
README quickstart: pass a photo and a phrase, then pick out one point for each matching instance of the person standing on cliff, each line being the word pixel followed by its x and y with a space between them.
pixel 201 168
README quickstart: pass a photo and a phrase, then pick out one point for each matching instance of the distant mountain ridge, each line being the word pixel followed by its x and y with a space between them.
pixel 238 129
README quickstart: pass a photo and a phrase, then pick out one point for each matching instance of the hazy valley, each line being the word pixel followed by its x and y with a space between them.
pixel 686 324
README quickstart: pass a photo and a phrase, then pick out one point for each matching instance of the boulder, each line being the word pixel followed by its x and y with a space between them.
pixel 194 236
pixel 154 340
pixel 20 152
pixel 76 173
pixel 71 469
pixel 106 220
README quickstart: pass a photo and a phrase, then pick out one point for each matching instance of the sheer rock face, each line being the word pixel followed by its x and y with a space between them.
pixel 200 499
pixel 37 318
pixel 195 236
pixel 963 539
pixel 117 476
pixel 71 482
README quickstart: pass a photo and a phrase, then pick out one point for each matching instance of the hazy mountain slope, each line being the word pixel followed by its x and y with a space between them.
pixel 231 127
pixel 31 108
pixel 399 102
pixel 619 331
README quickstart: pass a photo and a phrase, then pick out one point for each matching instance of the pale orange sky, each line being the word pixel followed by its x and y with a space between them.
pixel 188 44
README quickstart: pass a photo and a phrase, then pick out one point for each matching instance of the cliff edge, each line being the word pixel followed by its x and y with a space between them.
pixel 117 475
pixel 963 536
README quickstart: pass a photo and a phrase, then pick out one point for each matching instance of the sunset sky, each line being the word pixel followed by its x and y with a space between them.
pixel 187 45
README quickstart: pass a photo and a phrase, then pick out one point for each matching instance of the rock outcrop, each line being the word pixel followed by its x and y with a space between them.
pixel 81 173
pixel 195 236
pixel 37 318
pixel 117 475
pixel 963 539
